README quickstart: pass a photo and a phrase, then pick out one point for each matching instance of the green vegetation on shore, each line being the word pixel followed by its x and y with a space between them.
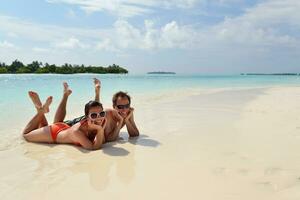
pixel 36 67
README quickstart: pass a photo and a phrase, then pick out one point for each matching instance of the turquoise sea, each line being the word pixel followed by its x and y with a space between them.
pixel 15 105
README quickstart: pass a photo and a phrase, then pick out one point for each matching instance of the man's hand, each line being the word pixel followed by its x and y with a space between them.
pixel 130 124
pixel 114 134
pixel 129 116
pixel 117 116
pixel 97 83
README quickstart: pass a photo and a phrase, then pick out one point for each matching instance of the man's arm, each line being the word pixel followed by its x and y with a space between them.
pixel 97 84
pixel 115 132
pixel 132 129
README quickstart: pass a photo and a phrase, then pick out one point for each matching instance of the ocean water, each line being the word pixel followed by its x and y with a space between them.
pixel 16 107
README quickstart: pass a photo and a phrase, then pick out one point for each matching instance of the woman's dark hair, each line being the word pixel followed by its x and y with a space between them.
pixel 90 105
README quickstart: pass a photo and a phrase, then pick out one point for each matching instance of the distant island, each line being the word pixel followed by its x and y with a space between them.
pixel 17 67
pixel 272 74
pixel 160 72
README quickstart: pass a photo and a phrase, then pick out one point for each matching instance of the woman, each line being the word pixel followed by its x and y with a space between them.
pixel 89 133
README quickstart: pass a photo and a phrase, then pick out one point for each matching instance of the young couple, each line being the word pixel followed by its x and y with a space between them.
pixel 90 131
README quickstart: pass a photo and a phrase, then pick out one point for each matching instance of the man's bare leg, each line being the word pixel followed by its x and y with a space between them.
pixel 38 104
pixel 97 84
pixel 35 122
pixel 61 110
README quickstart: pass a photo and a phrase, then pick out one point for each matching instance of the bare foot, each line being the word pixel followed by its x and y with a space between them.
pixel 47 104
pixel 35 99
pixel 97 83
pixel 67 90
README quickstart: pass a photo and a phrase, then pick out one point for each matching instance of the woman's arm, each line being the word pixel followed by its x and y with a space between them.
pixel 81 137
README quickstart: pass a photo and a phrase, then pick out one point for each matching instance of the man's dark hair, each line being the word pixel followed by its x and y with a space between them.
pixel 122 95
pixel 90 105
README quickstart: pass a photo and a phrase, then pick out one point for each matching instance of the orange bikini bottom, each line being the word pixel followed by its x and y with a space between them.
pixel 56 128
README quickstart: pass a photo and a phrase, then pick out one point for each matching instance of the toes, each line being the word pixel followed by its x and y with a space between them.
pixel 31 93
pixel 47 104
pixel 49 100
pixel 67 90
pixel 65 85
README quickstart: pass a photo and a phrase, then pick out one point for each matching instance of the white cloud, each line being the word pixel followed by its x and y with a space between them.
pixel 128 8
pixel 127 36
pixel 71 43
pixel 274 12
pixel 6 44
pixel 107 45
pixel 268 23
pixel 224 2
pixel 171 35
pixel 12 35
pixel 32 31
pixel 122 35
pixel 175 36
pixel 151 35
pixel 119 7
pixel 264 25
pixel 71 14
pixel 41 50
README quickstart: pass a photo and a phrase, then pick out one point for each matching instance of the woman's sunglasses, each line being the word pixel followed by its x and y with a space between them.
pixel 97 115
pixel 126 106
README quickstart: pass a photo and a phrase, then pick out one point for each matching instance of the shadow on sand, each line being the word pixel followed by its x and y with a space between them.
pixel 110 149
pixel 142 140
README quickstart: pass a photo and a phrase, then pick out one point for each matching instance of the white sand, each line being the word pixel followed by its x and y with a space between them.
pixel 234 144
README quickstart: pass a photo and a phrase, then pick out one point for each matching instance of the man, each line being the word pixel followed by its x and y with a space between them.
pixel 121 103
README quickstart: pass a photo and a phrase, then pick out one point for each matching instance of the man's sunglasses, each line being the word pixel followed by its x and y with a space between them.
pixel 123 106
pixel 97 115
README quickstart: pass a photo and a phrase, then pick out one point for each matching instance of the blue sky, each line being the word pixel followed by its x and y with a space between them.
pixel 186 36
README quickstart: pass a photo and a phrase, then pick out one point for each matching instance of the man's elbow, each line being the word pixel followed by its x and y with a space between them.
pixel 110 139
pixel 96 148
pixel 92 148
pixel 134 134
pixel 89 147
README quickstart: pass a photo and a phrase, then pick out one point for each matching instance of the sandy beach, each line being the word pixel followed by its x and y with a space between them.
pixel 215 145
